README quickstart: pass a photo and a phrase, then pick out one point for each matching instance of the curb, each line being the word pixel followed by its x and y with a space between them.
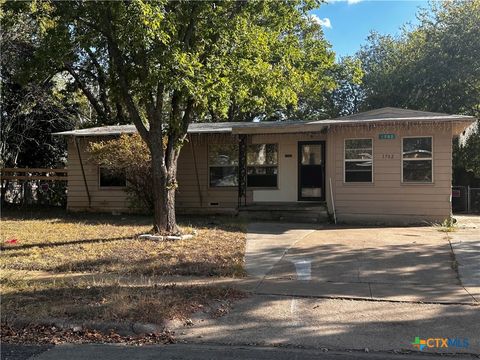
pixel 122 329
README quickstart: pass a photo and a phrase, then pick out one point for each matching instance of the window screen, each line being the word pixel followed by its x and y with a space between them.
pixel 112 177
pixel 223 165
pixel 358 160
pixel 417 159
pixel 262 165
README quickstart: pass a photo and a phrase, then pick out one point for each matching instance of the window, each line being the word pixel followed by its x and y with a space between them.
pixel 112 177
pixel 223 165
pixel 358 160
pixel 417 159
pixel 262 165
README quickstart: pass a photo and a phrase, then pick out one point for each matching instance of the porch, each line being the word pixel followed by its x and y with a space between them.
pixel 282 173
pixel 304 212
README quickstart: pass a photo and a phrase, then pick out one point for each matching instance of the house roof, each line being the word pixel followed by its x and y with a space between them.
pixel 383 115
pixel 195 128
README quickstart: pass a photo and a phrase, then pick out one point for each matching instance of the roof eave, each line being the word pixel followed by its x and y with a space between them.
pixel 278 129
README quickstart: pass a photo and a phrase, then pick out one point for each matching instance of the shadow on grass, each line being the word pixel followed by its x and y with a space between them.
pixel 61 215
pixel 224 222
pixel 54 244
pixel 259 320
pixel 157 266
pixel 107 302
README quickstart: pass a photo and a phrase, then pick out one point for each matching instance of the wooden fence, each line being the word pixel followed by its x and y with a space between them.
pixel 40 186
pixel 33 174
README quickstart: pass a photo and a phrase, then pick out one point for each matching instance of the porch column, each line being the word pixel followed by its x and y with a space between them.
pixel 242 169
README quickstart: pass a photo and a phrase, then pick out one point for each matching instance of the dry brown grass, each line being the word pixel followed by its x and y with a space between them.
pixel 84 301
pixel 98 244
pixel 59 242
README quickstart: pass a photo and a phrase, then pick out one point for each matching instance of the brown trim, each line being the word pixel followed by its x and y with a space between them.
pixel 75 140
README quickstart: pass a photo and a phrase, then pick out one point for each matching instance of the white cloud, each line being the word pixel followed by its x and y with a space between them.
pixel 349 2
pixel 325 22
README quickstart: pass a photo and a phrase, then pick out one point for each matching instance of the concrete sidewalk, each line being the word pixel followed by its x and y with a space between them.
pixel 335 324
pixel 465 241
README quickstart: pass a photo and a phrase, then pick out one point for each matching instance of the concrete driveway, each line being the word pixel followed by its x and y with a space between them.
pixel 307 283
pixel 465 243
pixel 399 264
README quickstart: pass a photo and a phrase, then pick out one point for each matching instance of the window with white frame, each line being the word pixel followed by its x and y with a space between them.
pixel 109 177
pixel 223 165
pixel 417 159
pixel 358 160
pixel 262 165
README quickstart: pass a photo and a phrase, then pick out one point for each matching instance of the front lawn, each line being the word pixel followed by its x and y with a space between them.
pixel 99 243
pixel 106 301
pixel 107 246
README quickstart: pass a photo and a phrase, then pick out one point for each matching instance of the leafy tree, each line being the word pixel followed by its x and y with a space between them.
pixel 434 66
pixel 342 97
pixel 165 64
pixel 30 111
pixel 348 96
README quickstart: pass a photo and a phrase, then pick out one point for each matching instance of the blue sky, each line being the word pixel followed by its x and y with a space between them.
pixel 347 23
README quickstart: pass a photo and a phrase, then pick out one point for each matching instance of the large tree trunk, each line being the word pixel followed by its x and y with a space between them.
pixel 164 187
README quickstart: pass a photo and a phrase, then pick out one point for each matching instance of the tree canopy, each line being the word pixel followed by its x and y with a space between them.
pixel 434 66
pixel 163 64
pixel 31 108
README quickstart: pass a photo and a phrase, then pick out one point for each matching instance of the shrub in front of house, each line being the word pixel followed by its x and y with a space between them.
pixel 128 154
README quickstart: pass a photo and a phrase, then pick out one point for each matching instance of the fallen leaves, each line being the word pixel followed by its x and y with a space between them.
pixel 43 334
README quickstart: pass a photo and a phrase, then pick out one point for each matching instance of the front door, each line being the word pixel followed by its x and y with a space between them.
pixel 311 171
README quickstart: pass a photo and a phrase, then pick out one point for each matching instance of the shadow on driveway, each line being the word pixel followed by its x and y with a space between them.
pixel 398 264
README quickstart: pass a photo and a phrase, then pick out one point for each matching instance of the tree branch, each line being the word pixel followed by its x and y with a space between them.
pixel 124 85
pixel 101 82
pixel 91 98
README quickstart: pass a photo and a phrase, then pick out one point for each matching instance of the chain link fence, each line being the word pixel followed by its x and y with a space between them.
pixel 465 199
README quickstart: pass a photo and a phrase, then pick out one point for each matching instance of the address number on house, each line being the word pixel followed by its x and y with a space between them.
pixel 386 136
pixel 388 156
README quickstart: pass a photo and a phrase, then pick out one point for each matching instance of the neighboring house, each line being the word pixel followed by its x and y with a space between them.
pixel 388 165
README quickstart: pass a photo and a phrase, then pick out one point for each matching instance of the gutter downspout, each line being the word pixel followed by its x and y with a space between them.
pixel 333 202
pixel 75 139
pixel 196 170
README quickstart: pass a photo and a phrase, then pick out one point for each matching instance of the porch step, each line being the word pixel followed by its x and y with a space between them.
pixel 289 212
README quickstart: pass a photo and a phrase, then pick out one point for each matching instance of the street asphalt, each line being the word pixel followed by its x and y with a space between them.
pixel 202 352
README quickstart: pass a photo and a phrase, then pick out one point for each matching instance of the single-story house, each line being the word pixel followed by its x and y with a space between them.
pixel 387 165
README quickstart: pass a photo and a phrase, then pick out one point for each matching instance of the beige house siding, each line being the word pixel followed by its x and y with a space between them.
pixel 287 165
pixel 102 199
pixel 208 199
pixel 387 199
pixel 188 200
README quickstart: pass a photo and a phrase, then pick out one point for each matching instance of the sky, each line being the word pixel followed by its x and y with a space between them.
pixel 347 23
